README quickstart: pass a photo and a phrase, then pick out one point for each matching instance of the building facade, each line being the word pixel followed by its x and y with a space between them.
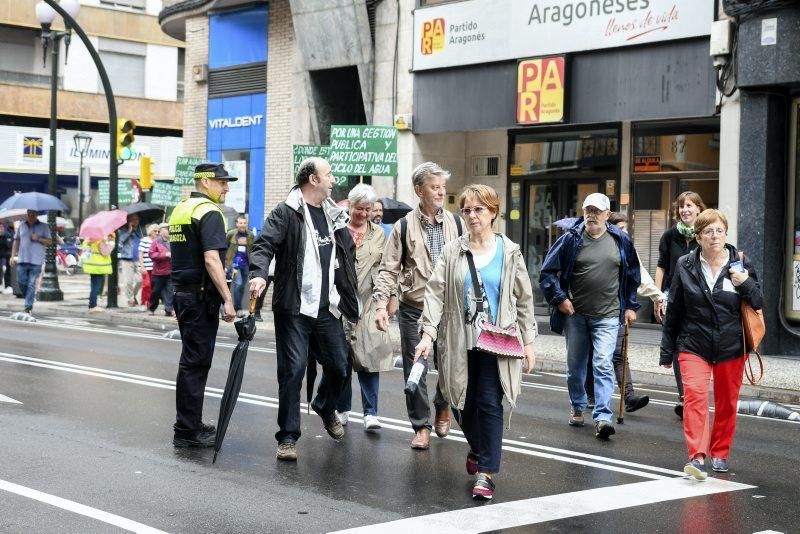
pixel 145 68
pixel 547 101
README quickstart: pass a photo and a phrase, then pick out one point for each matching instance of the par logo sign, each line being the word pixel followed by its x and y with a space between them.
pixel 540 90
pixel 433 35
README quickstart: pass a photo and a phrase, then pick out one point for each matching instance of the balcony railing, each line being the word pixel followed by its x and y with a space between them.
pixel 28 79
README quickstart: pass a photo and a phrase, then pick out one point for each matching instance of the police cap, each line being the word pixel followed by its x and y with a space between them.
pixel 214 171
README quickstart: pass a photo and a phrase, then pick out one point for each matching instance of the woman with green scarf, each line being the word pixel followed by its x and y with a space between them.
pixel 678 241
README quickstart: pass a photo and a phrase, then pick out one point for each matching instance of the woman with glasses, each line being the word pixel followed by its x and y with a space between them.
pixel 472 381
pixel 676 242
pixel 703 326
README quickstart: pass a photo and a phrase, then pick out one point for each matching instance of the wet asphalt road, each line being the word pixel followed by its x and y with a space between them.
pixel 89 450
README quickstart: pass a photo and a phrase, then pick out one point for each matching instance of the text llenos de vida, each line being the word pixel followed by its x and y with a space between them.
pixel 643 25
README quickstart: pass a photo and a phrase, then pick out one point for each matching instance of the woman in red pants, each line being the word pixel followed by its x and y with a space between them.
pixel 703 325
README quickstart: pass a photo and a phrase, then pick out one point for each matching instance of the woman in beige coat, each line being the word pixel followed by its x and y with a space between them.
pixel 472 381
pixel 370 349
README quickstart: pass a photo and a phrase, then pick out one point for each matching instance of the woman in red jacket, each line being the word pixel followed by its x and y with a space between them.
pixel 162 270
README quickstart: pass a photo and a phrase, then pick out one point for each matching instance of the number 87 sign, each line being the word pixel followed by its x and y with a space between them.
pixel 540 90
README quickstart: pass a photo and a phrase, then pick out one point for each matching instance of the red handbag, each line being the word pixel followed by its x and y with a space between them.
pixel 501 342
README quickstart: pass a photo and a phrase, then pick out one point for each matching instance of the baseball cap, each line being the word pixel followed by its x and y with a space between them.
pixel 597 200
pixel 214 171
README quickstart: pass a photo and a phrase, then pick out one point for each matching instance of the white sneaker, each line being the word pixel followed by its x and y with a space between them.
pixel 8 290
pixel 371 422
pixel 343 417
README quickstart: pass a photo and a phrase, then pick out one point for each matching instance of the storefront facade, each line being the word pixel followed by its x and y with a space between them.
pixel 635 121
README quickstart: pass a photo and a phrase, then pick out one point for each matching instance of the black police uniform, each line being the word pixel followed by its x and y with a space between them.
pixel 197 225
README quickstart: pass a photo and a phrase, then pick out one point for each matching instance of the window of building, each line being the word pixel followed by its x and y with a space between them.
pixel 181 72
pixel 134 4
pixel 21 58
pixel 543 153
pixel 125 63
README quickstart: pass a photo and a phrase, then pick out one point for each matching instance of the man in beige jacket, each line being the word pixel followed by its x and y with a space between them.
pixel 405 269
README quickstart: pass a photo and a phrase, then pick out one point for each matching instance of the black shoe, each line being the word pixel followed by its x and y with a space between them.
pixel 679 409
pixel 194 439
pixel 589 402
pixel 333 425
pixel 636 402
pixel 208 428
pixel 603 430
pixel 257 317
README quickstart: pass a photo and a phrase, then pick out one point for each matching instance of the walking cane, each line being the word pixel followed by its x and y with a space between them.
pixel 621 418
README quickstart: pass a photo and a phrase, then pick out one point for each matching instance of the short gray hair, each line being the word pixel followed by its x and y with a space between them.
pixel 362 193
pixel 420 175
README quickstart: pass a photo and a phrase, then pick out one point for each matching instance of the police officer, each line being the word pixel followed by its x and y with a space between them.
pixel 197 241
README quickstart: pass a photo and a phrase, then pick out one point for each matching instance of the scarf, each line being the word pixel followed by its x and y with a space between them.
pixel 685 231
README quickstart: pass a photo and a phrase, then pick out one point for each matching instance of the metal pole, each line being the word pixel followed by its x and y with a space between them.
pixel 112 134
pixel 50 290
pixel 80 192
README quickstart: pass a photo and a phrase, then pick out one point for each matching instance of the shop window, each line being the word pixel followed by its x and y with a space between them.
pixel 540 153
pixel 791 290
pixel 675 153
pixel 651 218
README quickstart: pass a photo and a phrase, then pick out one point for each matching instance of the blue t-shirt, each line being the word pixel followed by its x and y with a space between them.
pixel 491 275
pixel 30 251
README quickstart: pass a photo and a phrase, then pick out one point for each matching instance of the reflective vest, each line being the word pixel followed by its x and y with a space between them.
pixel 188 262
pixel 93 261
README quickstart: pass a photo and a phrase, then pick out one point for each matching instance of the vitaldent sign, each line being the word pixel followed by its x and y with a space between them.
pixel 483 31
pixel 243 121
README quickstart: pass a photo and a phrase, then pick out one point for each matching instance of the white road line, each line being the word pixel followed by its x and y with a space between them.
pixel 521 447
pixel 553 507
pixel 3 398
pixel 140 335
pixel 82 509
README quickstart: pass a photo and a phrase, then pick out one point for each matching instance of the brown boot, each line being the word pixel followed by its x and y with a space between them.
pixel 442 422
pixel 422 440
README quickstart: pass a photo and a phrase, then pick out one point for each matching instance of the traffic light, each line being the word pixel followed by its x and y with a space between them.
pixel 125 138
pixel 145 173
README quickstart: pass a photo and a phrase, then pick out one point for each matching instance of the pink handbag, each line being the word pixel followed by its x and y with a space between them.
pixel 501 342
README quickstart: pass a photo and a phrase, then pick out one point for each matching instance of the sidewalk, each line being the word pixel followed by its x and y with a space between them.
pixel 781 381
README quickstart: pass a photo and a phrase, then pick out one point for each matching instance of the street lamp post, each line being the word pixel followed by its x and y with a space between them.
pixel 46 15
pixel 82 144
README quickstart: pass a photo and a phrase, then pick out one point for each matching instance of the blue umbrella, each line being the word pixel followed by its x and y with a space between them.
pixel 33 201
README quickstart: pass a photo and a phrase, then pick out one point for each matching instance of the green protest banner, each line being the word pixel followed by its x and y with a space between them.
pixel 165 194
pixel 301 152
pixel 363 150
pixel 124 192
pixel 184 170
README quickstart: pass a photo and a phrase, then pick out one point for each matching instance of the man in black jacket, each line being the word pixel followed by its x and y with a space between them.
pixel 314 284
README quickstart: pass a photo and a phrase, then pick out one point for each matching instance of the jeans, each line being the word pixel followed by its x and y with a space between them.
pixel 619 360
pixel 369 384
pixel 27 274
pixel 595 338
pixel 419 411
pixel 96 282
pixel 240 274
pixel 198 321
pixel 161 288
pixel 296 335
pixel 482 417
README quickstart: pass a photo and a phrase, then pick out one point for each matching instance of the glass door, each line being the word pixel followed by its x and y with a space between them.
pixel 553 206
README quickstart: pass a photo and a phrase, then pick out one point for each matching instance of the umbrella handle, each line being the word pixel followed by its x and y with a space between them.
pixel 253 302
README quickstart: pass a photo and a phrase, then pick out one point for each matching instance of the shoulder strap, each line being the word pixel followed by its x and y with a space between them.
pixel 403 246
pixel 457 219
pixel 477 285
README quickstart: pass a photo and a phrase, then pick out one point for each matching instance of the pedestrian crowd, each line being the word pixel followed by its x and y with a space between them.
pixel 460 292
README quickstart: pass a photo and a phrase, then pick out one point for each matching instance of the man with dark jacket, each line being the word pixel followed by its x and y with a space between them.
pixel 590 277
pixel 314 284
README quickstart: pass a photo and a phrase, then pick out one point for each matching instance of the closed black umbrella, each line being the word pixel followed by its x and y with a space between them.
pixel 394 210
pixel 246 328
pixel 147 212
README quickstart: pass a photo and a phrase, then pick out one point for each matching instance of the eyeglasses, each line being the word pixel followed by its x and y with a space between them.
pixel 711 231
pixel 477 210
